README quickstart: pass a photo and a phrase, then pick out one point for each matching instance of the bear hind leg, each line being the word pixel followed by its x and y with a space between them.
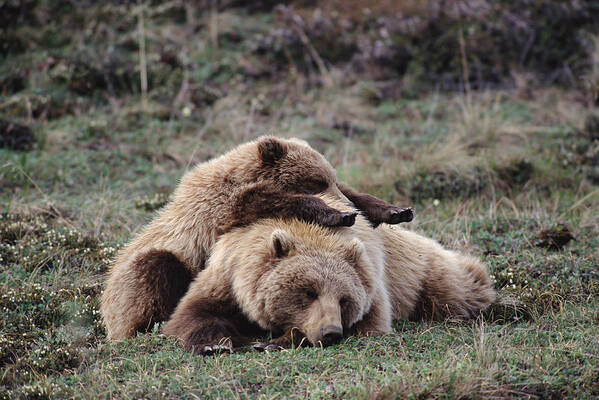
pixel 460 290
pixel 144 292
pixel 164 280
pixel 481 293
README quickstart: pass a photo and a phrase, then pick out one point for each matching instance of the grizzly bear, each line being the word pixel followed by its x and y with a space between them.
pixel 318 284
pixel 266 178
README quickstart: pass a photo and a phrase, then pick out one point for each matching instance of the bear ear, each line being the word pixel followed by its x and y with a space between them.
pixel 355 250
pixel 271 150
pixel 281 243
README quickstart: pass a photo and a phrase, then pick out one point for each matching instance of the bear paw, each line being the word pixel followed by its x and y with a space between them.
pixel 206 349
pixel 213 349
pixel 348 218
pixel 397 215
pixel 342 219
pixel 266 347
pixel 390 215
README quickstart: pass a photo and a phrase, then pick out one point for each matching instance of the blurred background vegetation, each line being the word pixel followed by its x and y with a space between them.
pixel 91 49
pixel 483 115
pixel 217 73
pixel 62 57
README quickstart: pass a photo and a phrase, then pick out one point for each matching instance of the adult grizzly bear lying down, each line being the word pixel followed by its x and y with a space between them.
pixel 300 280
pixel 268 177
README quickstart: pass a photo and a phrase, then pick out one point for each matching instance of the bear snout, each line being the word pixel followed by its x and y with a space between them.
pixel 330 335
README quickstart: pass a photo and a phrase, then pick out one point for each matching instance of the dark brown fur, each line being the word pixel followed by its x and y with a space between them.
pixel 161 282
pixel 261 201
pixel 376 210
pixel 206 322
pixel 271 151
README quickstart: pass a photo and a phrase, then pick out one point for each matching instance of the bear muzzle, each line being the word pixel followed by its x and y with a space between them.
pixel 330 335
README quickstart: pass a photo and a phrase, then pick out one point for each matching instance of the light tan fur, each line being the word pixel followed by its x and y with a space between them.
pixel 363 278
pixel 193 219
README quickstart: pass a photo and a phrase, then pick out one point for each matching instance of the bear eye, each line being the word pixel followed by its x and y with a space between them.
pixel 343 302
pixel 312 186
pixel 319 185
pixel 311 294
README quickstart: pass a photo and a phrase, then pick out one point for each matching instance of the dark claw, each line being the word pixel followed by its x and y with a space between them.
pixel 273 347
pixel 264 347
pixel 260 346
pixel 393 217
pixel 401 215
pixel 348 218
pixel 217 349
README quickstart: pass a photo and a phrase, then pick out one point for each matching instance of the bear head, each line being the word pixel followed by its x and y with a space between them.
pixel 316 281
pixel 295 166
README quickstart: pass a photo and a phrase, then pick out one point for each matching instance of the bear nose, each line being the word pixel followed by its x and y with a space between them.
pixel 330 335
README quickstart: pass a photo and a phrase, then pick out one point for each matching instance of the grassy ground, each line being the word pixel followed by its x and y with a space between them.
pixel 486 173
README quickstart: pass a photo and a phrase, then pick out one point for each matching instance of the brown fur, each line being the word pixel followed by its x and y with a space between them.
pixel 261 202
pixel 288 276
pixel 266 178
pixel 213 321
pixel 155 282
pixel 376 210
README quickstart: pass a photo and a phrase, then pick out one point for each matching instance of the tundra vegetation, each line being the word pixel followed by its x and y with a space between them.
pixel 483 115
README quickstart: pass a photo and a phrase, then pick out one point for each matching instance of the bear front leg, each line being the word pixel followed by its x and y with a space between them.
pixel 376 210
pixel 206 326
pixel 259 201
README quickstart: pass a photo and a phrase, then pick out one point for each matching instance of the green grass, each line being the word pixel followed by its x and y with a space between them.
pixel 485 173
